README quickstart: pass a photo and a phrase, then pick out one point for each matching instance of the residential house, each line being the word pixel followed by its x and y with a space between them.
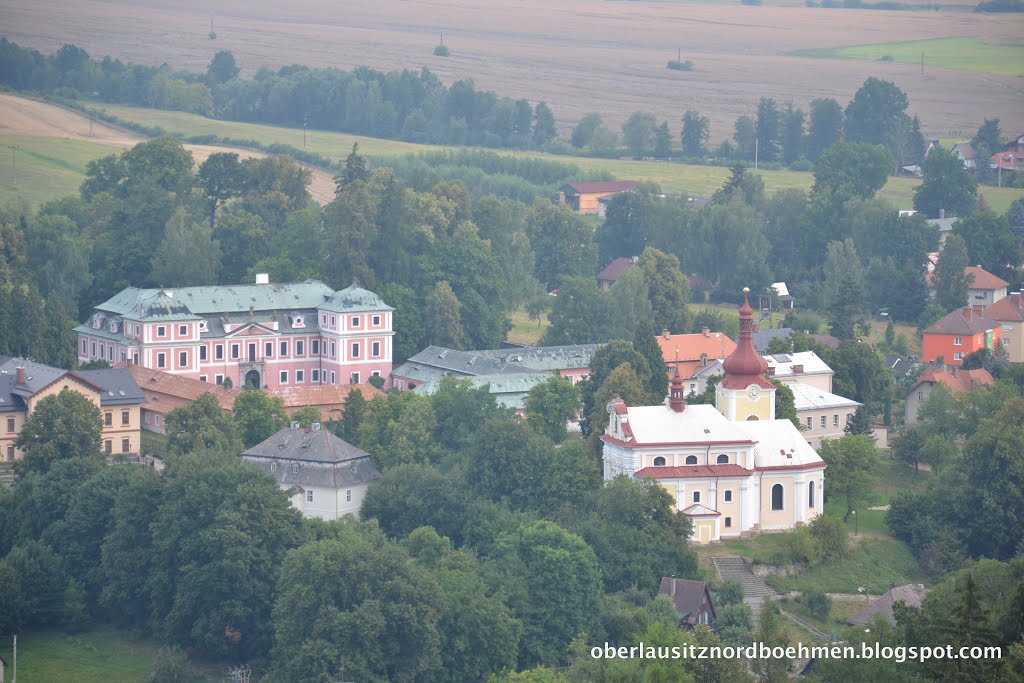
pixel 584 198
pixel 614 270
pixel 958 334
pixel 956 380
pixel 699 283
pixel 1009 313
pixel 325 476
pixel 912 595
pixel 24 383
pixel 806 367
pixel 692 357
pixel 732 468
pixel 822 414
pixel 944 225
pixel 984 288
pixel 1011 157
pixel 692 601
pixel 509 389
pixel 763 336
pixel 265 334
pixel 786 300
pixel 964 151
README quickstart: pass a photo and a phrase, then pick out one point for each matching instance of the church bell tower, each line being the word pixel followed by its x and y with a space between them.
pixel 745 393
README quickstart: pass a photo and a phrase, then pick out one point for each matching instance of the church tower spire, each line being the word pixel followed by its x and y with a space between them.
pixel 745 393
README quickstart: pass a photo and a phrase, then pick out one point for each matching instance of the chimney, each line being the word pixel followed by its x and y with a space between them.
pixel 770 372
pixel 262 278
pixel 293 425
pixel 942 213
pixel 314 426
pixel 19 375
pixel 705 331
pixel 666 334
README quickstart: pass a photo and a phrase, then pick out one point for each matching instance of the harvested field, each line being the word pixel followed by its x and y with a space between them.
pixel 27 122
pixel 578 55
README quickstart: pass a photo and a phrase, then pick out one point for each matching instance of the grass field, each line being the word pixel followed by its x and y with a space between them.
pixel 967 54
pixel 46 168
pixel 102 655
pixel 672 177
pixel 872 562
pixel 840 612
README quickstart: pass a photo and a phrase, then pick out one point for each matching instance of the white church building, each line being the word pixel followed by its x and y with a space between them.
pixel 732 468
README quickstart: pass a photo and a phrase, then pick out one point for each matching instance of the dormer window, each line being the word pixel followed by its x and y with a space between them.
pixel 297 322
pixel 203 326
pixel 97 321
pixel 113 326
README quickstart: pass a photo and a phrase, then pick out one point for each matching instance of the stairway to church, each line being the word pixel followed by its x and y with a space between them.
pixel 755 591
pixel 6 473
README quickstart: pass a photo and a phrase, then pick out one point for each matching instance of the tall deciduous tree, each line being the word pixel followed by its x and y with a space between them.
pixel 991 244
pixel 221 177
pixel 543 125
pixel 550 405
pixel 950 279
pixel 638 133
pixel 947 186
pixel 258 415
pixel 188 254
pixel 826 126
pixel 222 68
pixel 792 134
pixel 768 127
pixel 852 169
pixel 877 113
pixel 668 289
pixel 60 427
pixel 201 425
pixel 562 241
pixel 442 317
pixel 584 130
pixel 853 463
pixel 695 133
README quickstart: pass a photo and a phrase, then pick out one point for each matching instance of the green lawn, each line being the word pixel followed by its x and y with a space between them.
pixel 841 611
pixel 966 54
pixel 102 655
pixel 524 330
pixel 46 168
pixel 672 177
pixel 872 562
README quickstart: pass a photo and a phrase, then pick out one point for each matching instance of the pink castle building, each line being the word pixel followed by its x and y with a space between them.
pixel 267 335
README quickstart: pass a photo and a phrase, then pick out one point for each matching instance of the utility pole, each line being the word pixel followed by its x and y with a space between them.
pixel 305 122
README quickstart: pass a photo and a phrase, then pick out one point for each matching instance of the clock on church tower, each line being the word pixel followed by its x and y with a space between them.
pixel 745 393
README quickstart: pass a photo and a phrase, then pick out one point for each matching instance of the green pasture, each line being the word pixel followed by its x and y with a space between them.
pixel 39 169
pixel 965 54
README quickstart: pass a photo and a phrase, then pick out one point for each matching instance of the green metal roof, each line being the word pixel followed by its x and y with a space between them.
pixel 134 303
pixel 354 298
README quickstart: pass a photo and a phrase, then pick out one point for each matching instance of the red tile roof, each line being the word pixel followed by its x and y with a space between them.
pixel 956 380
pixel 963 321
pixel 327 397
pixel 692 472
pixel 689 347
pixel 614 270
pixel 1008 309
pixel 167 392
pixel 984 279
pixel 602 186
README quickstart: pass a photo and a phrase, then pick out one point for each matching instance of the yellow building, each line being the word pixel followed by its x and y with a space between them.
pixel 733 468
pixel 24 383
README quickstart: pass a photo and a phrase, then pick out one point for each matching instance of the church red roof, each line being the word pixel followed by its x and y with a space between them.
pixel 745 366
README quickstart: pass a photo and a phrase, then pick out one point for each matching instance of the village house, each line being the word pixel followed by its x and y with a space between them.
pixel 958 334
pixel 695 358
pixel 732 468
pixel 786 300
pixel 692 601
pixel 1011 157
pixel 326 477
pixel 24 383
pixel 964 152
pixel 911 595
pixel 583 198
pixel 956 380
pixel 266 335
pixel 614 270
pixel 1009 313
pixel 984 288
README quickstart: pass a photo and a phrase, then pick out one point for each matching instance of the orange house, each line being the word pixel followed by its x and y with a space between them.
pixel 963 331
pixel 583 197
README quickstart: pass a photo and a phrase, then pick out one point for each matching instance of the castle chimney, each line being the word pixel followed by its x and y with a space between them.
pixel 262 278
pixel 19 375
pixel 705 331
pixel 942 213
pixel 666 334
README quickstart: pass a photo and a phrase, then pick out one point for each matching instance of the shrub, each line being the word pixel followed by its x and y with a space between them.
pixel 797 547
pixel 831 538
pixel 885 58
pixel 817 603
pixel 441 51
pixel 802 322
pixel 729 593
pixel 376 381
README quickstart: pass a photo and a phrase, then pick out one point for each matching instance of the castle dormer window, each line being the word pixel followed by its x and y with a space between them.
pixel 113 326
pixel 203 326
pixel 298 322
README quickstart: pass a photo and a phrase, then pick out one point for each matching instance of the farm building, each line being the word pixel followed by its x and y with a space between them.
pixel 584 198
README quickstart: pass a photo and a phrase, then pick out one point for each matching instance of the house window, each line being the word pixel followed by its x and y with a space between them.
pixel 354 379
pixel 85 348
pixel 809 423
pixel 659 461
pixel 219 379
pixel 348 496
pixel 135 359
pixel 284 377
pixel 333 349
pixel 94 348
pixel 309 496
pixel 958 341
pixel 958 356
pixel 723 459
pixel 333 321
pixel 824 421
pixel 10 453
pixel 777 497
pixel 323 319
pixel 920 396
pixel 182 359
pixel 295 468
pixel 300 376
pixel 376 321
pixel 203 378
pixel 126 417
pixel 300 348
pixel 108 446
pixel 696 496
pixel 10 425
pixel 375 349
pixel 234 351
pixel 835 420
pixel 355 350
pixel 268 349
pixel 218 352
pixel 161 331
pixel 273 467
pixel 315 347
pixel 810 494
pixel 355 321
pixel 182 330
pixel 161 360
pixel 284 348
pixel 334 379
pixel 316 376
pixel 691 460
pixel 728 522
pixel 126 446
pixel 202 353
pixel 108 419
pixel 728 496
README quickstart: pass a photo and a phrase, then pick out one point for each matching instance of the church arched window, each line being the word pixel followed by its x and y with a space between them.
pixel 777 497
pixel 691 460
pixel 723 459
pixel 659 461
pixel 810 494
